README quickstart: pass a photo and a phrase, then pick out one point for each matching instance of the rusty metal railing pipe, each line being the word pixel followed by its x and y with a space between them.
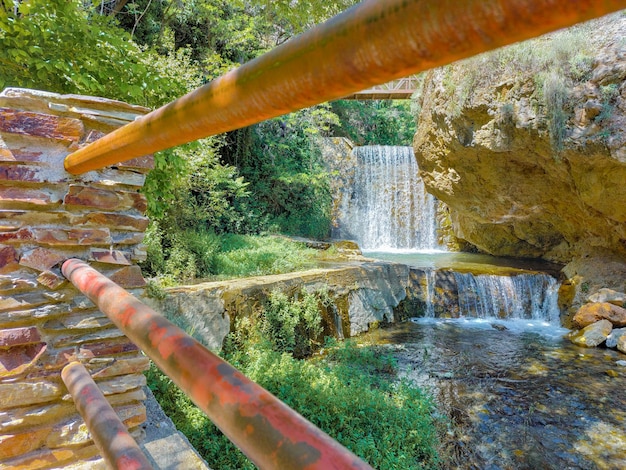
pixel 116 445
pixel 372 43
pixel 270 433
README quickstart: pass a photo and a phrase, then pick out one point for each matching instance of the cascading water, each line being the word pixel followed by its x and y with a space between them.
pixel 529 296
pixel 388 207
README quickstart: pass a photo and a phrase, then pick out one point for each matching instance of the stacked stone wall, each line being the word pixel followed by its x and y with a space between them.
pixel 47 216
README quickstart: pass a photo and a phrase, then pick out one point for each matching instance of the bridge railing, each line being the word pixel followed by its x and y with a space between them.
pixel 371 43
pixel 270 433
pixel 116 445
pixel 374 42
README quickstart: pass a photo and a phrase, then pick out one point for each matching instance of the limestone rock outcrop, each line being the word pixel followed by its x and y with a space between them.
pixel 527 147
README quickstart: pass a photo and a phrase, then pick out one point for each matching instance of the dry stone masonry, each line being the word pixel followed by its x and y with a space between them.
pixel 47 216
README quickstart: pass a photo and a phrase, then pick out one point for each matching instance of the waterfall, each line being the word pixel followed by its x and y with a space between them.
pixel 388 207
pixel 526 296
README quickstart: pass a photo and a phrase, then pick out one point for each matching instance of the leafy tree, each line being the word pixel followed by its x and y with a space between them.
pixel 376 122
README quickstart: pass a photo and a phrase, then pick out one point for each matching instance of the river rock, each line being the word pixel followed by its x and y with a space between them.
pixel 592 335
pixel 592 312
pixel 614 337
pixel 609 295
pixel 621 344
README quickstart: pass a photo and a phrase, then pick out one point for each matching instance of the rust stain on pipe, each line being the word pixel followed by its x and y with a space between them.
pixel 270 433
pixel 116 445
pixel 372 43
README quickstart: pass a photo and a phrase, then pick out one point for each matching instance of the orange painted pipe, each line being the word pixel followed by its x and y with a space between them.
pixel 116 445
pixel 270 433
pixel 371 43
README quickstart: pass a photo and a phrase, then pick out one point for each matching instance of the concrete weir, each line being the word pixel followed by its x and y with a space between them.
pixel 363 293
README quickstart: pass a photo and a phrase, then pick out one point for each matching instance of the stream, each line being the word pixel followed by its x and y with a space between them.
pixel 513 393
pixel 520 398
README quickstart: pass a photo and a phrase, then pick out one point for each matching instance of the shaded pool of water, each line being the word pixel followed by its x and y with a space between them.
pixel 517 398
pixel 465 262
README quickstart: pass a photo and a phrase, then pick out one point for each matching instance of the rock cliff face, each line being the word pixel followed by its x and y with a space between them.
pixel 527 145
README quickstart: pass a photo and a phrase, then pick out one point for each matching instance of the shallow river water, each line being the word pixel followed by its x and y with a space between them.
pixel 520 397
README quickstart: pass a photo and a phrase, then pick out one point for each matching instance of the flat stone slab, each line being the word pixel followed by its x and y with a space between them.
pixel 165 446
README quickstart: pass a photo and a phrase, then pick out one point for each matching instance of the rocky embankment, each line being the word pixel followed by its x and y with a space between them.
pixel 601 320
pixel 527 148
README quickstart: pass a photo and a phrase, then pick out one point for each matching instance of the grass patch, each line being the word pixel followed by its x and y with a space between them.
pixel 350 391
pixel 202 255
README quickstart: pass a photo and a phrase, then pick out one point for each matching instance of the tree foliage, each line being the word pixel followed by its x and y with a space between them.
pixel 377 122
pixel 268 177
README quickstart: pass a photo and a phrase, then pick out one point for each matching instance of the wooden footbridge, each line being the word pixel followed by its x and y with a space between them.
pixel 401 89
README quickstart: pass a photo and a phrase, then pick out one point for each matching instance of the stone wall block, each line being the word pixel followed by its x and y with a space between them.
pixel 19 336
pixel 41 259
pixel 122 366
pixel 111 177
pixel 141 164
pixel 51 280
pixel 72 237
pixel 79 321
pixel 102 349
pixel 121 384
pixel 50 458
pixel 40 125
pixel 32 416
pixel 17 360
pixel 110 256
pixel 8 259
pixel 12 445
pixel 74 339
pixel 20 198
pixel 24 393
pixel 17 282
pixel 12 318
pixel 132 238
pixel 47 216
pixel 80 196
pixel 5 152
pixel 128 277
pixel 112 220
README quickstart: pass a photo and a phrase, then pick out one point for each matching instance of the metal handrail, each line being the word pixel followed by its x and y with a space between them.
pixel 116 445
pixel 270 433
pixel 373 42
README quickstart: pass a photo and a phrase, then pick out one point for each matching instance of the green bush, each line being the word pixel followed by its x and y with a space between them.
pixel 375 122
pixel 555 93
pixel 386 422
pixel 292 326
pixel 351 391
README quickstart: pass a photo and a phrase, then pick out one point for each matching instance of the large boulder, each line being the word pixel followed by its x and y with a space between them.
pixel 592 312
pixel 609 295
pixel 592 335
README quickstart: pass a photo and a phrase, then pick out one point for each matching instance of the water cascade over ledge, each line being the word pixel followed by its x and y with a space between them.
pixel 387 208
pixel 530 296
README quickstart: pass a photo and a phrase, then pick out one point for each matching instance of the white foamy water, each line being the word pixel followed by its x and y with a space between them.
pixel 388 208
